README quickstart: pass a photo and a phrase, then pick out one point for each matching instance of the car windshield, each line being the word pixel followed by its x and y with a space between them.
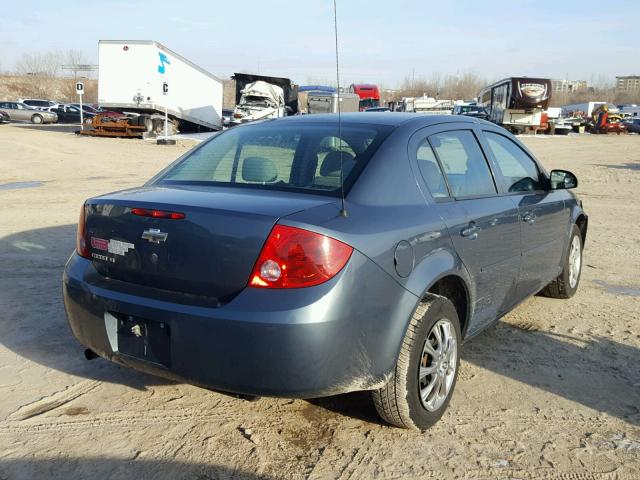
pixel 304 157
pixel 470 109
pixel 369 103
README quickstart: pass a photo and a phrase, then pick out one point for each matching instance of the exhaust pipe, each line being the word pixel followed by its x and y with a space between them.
pixel 90 354
pixel 248 398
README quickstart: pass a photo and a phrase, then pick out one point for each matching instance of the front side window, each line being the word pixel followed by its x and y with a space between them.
pixel 463 163
pixel 517 168
pixel 430 171
pixel 306 157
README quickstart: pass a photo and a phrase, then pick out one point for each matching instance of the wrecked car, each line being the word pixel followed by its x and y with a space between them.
pixel 260 100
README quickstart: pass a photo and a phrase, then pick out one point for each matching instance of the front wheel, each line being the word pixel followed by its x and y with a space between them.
pixel 566 284
pixel 425 375
pixel 37 119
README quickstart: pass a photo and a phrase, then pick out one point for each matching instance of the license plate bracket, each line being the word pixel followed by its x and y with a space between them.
pixel 145 339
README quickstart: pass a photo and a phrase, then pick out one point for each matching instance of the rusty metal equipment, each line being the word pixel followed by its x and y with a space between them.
pixel 109 126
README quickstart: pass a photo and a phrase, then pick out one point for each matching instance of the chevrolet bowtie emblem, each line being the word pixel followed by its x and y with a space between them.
pixel 154 235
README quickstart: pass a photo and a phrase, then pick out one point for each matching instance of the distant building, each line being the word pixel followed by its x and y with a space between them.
pixel 568 86
pixel 631 82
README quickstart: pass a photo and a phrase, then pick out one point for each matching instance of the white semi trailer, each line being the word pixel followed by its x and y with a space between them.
pixel 131 78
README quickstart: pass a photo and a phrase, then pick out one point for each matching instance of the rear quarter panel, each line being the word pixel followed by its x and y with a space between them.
pixel 386 207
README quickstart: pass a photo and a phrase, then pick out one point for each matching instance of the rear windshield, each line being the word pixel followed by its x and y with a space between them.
pixel 304 157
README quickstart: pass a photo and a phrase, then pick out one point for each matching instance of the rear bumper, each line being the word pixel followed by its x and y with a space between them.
pixel 341 336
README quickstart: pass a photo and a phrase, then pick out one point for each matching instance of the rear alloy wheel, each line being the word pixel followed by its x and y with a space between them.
pixel 423 381
pixel 438 365
pixel 37 119
pixel 566 284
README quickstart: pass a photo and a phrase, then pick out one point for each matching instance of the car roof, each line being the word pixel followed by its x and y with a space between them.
pixel 383 118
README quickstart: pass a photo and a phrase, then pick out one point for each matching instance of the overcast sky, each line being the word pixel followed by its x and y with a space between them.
pixel 380 41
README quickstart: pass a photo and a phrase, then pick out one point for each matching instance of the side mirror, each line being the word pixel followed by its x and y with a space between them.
pixel 563 180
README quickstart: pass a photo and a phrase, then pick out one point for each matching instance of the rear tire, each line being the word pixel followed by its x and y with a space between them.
pixel 424 378
pixel 37 119
pixel 146 122
pixel 566 284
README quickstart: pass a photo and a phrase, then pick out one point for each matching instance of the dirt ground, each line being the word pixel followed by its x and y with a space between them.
pixel 550 391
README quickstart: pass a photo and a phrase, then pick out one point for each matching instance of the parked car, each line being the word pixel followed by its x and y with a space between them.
pixel 85 108
pixel 378 109
pixel 101 111
pixel 20 111
pixel 39 103
pixel 241 267
pixel 560 126
pixel 477 111
pixel 71 114
pixel 227 115
pixel 632 125
pixel 4 117
pixel 613 127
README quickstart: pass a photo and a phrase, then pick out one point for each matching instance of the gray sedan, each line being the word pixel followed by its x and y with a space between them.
pixel 302 257
pixel 21 111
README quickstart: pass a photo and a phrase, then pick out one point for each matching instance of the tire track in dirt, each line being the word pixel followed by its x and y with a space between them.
pixel 120 419
pixel 25 421
pixel 53 401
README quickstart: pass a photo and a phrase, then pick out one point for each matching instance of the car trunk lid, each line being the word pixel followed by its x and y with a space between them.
pixel 209 252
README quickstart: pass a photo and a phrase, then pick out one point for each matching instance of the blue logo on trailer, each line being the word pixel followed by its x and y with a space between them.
pixel 163 61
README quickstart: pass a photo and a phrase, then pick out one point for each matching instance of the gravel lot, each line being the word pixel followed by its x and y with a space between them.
pixel 551 391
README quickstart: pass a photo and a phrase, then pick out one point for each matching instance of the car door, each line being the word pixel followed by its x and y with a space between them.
pixel 544 217
pixel 11 109
pixel 483 224
pixel 74 114
pixel 67 117
pixel 21 112
pixel 6 107
pixel 62 118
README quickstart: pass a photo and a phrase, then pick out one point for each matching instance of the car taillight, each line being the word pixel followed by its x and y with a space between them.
pixel 295 258
pixel 82 246
pixel 145 212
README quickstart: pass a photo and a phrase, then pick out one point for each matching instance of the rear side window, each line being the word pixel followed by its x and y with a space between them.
pixel 464 164
pixel 430 171
pixel 517 168
pixel 303 157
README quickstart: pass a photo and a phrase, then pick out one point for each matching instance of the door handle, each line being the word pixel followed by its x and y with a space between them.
pixel 470 232
pixel 529 217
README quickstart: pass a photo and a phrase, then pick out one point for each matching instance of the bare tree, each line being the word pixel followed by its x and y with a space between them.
pixel 452 87
pixel 45 64
pixel 74 57
pixel 601 89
